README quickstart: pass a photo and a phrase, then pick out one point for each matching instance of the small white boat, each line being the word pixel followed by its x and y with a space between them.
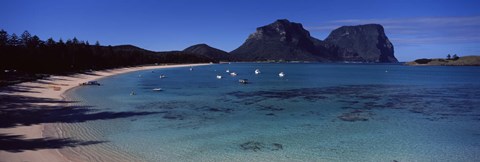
pixel 132 93
pixel 219 77
pixel 257 71
pixel 233 74
pixel 281 74
pixel 228 71
pixel 162 76
pixel 140 75
pixel 191 69
pixel 157 89
pixel 243 81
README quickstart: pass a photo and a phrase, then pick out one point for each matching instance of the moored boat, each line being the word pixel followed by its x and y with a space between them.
pixel 243 81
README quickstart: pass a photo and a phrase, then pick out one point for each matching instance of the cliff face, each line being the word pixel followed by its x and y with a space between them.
pixel 365 43
pixel 281 40
pixel 285 40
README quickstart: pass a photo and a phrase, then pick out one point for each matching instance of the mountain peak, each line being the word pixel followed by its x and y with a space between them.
pixel 200 45
pixel 286 40
pixel 281 39
pixel 207 51
pixel 367 43
pixel 282 21
pixel 282 30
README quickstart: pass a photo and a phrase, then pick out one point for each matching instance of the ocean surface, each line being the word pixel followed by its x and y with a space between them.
pixel 317 112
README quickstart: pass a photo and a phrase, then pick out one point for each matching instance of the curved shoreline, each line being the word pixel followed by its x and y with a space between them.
pixel 52 88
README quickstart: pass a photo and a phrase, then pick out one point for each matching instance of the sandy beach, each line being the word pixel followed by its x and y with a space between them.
pixel 23 139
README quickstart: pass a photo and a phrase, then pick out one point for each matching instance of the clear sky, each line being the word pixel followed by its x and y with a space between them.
pixel 417 28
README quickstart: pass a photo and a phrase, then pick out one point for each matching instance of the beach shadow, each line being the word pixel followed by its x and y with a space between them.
pixel 16 101
pixel 18 143
pixel 44 81
pixel 21 110
pixel 89 73
pixel 17 110
pixel 20 88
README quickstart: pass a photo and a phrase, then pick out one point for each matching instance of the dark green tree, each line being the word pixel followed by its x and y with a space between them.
pixel 50 42
pixel 449 57
pixel 75 41
pixel 30 55
pixel 25 38
pixel 69 42
pixel 35 42
pixel 60 42
pixel 3 38
pixel 455 57
pixel 14 41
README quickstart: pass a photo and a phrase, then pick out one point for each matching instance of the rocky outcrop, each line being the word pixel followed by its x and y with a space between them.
pixel 289 41
pixel 364 43
pixel 281 40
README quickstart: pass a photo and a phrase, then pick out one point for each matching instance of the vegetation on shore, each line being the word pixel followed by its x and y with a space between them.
pixel 449 61
pixel 28 57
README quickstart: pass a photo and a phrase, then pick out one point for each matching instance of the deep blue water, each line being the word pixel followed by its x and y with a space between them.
pixel 317 112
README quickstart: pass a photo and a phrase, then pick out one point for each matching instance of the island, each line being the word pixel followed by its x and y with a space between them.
pixel 456 61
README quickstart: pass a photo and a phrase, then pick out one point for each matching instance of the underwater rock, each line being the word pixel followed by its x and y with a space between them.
pixel 353 116
pixel 252 145
pixel 224 110
pixel 173 116
pixel 277 146
pixel 417 110
pixel 270 108
pixel 308 94
pixel 214 109
pixel 259 146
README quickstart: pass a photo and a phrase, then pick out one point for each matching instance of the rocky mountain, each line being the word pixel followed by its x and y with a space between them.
pixel 364 43
pixel 205 50
pixel 281 40
pixel 285 40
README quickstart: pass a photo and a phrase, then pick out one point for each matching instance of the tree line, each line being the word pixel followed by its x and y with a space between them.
pixel 454 57
pixel 30 54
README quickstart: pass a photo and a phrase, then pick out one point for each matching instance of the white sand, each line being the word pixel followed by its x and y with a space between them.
pixel 53 88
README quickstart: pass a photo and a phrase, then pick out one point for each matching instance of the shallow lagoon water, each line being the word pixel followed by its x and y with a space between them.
pixel 317 112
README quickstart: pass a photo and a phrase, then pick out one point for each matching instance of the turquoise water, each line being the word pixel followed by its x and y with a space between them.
pixel 317 112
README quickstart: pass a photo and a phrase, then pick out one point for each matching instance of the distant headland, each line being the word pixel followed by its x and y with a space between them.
pixel 449 61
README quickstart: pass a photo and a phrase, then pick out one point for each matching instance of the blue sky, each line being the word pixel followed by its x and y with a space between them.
pixel 420 28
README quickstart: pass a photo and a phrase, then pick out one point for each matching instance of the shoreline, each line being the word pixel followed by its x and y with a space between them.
pixel 52 89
